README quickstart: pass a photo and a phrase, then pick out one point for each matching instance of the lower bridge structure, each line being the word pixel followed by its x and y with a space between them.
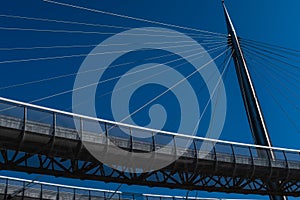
pixel 40 140
pixel 15 188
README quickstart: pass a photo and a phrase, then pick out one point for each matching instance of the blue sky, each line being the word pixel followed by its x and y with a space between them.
pixel 273 22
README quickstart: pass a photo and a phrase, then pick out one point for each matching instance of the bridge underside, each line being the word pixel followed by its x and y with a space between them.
pixel 35 149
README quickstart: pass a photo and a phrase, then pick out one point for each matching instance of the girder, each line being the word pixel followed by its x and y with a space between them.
pixel 171 176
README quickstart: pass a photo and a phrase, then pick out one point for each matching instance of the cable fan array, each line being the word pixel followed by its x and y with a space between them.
pixel 276 69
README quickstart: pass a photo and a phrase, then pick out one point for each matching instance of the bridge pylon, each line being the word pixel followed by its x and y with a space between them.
pixel 254 112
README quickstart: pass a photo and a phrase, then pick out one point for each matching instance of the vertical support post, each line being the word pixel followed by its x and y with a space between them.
pixel 216 159
pixel 131 140
pixel 195 150
pixel 52 141
pixel 286 160
pixel 41 192
pixel 251 155
pixel 6 189
pixel 22 136
pixel 57 195
pixel 106 137
pixel 234 159
pixel 254 113
pixel 54 124
pixel 81 128
pixel 252 160
pixel 215 153
pixel 195 157
pixel 24 118
pixel 175 149
pixel 79 137
pixel 106 133
pixel 233 153
pixel 153 142
pixel 23 190
pixel 74 194
pixel 286 164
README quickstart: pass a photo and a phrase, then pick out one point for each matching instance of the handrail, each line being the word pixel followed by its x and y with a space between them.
pixel 56 185
pixel 144 129
pixel 102 190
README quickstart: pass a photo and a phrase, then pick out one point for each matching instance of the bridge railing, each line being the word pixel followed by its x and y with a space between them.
pixel 10 188
pixel 127 136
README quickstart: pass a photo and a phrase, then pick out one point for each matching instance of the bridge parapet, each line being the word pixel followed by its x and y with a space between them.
pixel 33 189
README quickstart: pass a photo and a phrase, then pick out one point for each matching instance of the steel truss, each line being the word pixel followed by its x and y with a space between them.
pixel 173 176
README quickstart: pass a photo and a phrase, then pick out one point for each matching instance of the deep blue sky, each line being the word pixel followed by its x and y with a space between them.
pixel 274 22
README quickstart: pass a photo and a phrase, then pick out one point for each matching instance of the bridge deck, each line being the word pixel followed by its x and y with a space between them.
pixel 36 140
pixel 33 189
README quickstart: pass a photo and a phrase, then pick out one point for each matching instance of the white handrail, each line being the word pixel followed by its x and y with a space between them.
pixel 146 129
